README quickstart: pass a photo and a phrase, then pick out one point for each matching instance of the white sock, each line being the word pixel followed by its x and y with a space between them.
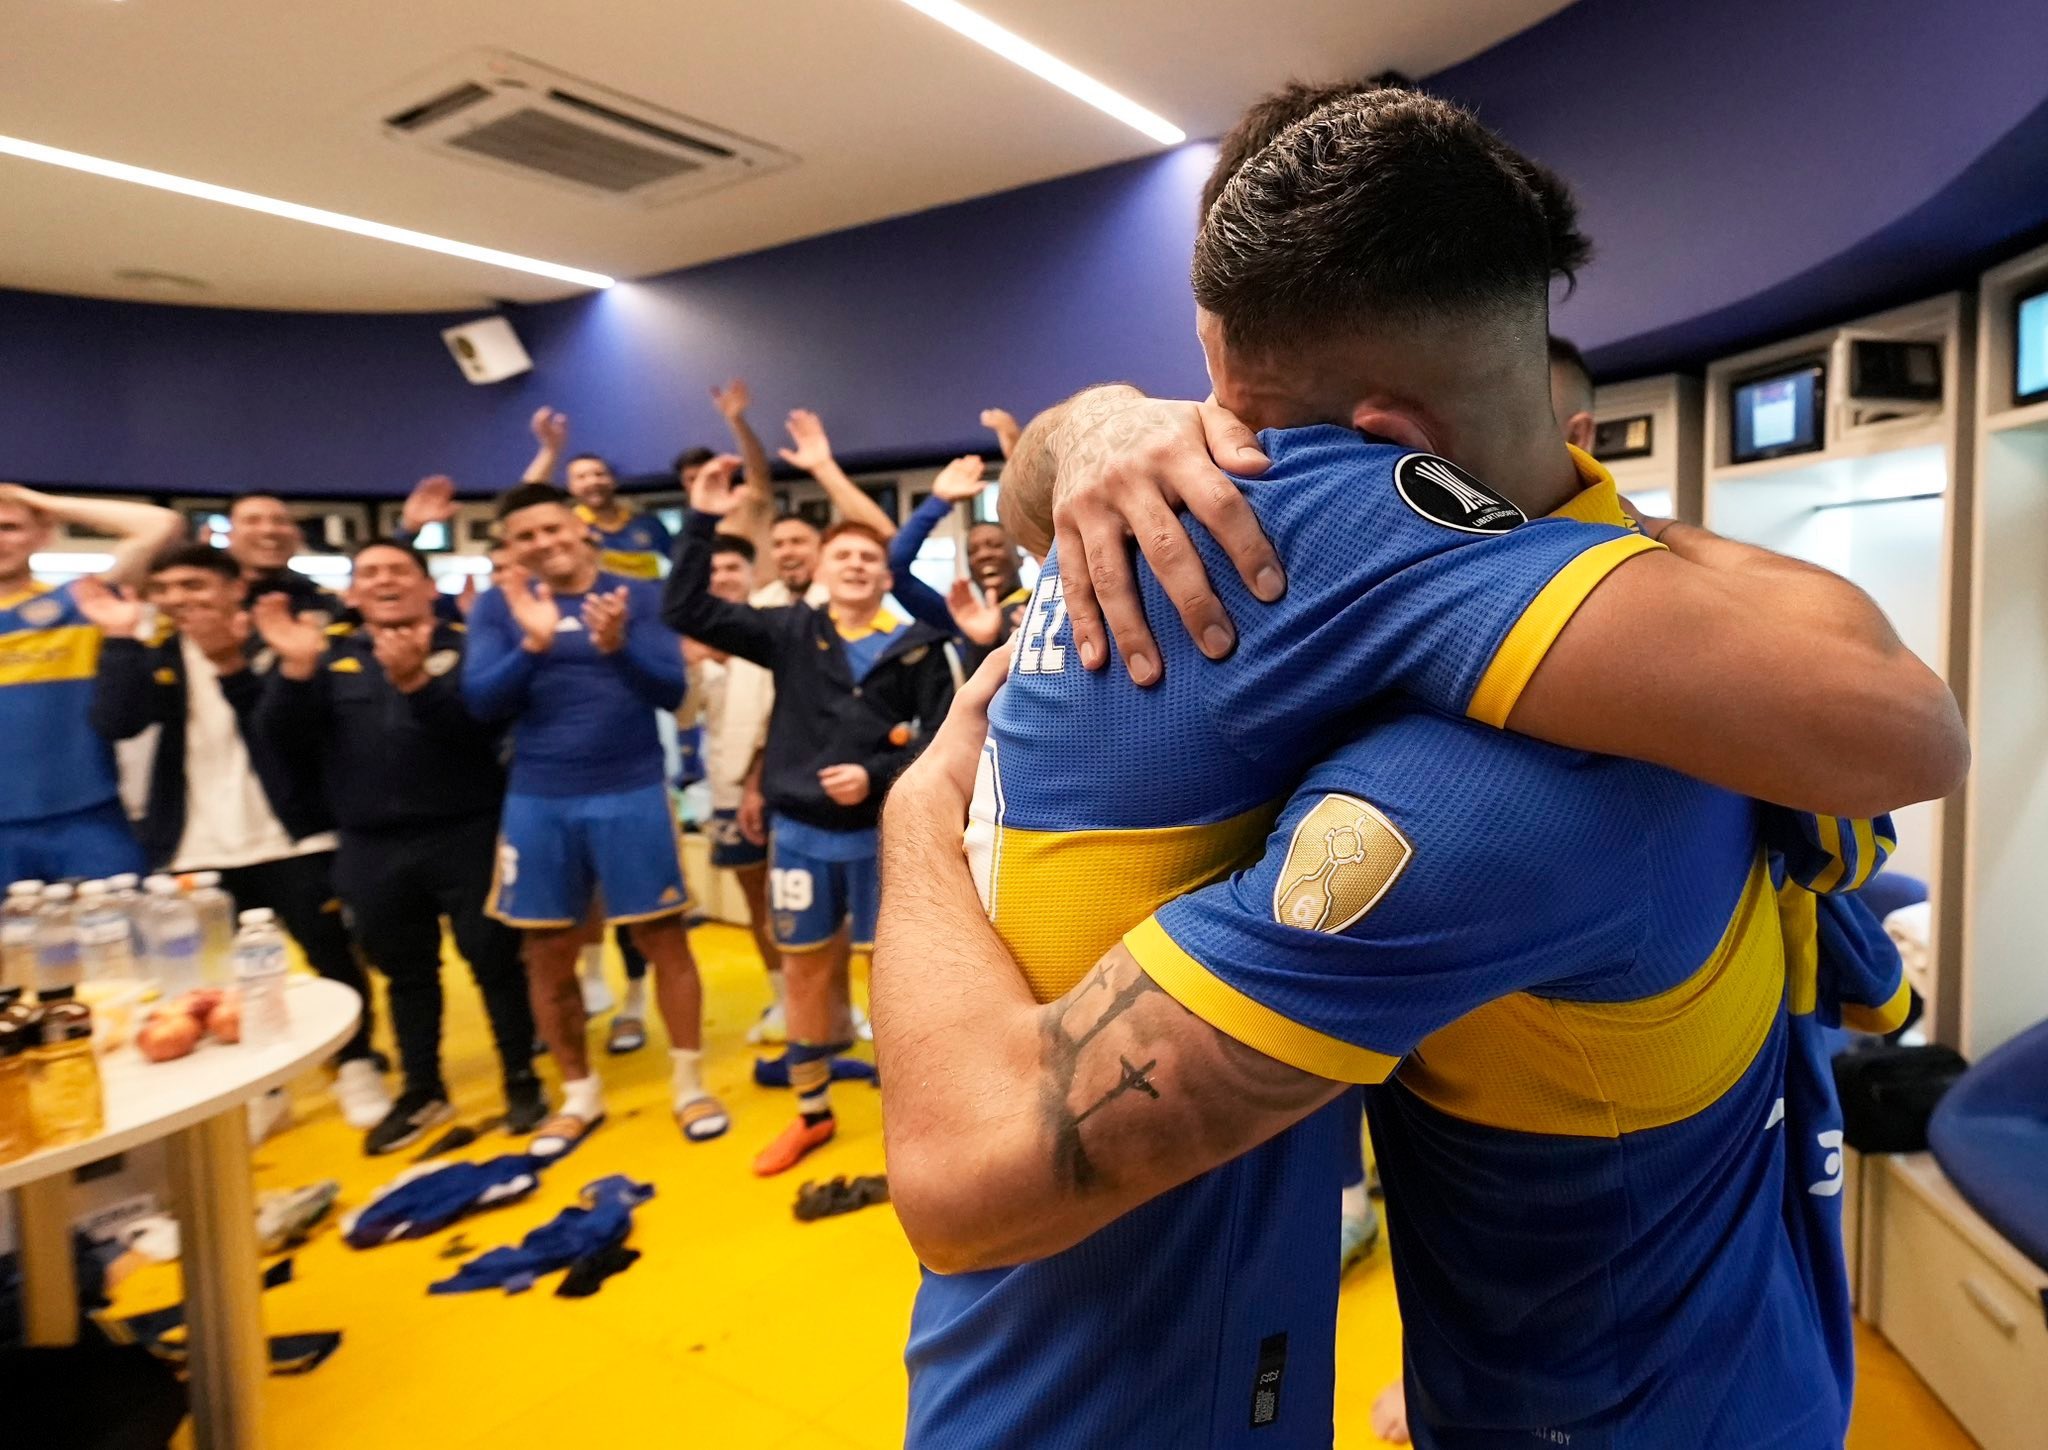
pixel 591 964
pixel 1356 1204
pixel 584 1098
pixel 686 1079
pixel 635 1003
pixel 775 984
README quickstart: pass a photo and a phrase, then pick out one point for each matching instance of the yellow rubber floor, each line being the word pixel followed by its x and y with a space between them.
pixel 696 1344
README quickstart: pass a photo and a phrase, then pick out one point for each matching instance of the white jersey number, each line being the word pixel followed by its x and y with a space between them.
pixel 1040 651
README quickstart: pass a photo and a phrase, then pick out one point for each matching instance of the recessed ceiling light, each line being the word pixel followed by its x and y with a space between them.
pixel 293 211
pixel 1019 51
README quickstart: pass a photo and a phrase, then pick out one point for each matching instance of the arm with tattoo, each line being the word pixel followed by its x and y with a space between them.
pixel 1016 1129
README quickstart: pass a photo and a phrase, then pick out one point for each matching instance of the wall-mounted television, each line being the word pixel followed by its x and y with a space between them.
pixel 1779 412
pixel 2030 347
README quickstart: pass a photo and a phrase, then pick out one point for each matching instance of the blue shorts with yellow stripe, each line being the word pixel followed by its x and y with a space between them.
pixel 556 854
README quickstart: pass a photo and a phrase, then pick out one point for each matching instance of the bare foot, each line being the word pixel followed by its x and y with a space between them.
pixel 1390 1414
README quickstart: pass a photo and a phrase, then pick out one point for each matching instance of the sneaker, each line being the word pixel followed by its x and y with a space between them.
pixel 269 1115
pixel 770 1027
pixel 862 1028
pixel 597 992
pixel 1355 1238
pixel 416 1111
pixel 360 1092
pixel 284 1217
pixel 526 1104
pixel 792 1145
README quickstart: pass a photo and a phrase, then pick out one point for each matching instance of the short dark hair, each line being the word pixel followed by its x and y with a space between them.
pixel 1565 353
pixel 385 541
pixel 733 544
pixel 1257 128
pixel 526 496
pixel 795 518
pixel 197 556
pixel 594 458
pixel 855 526
pixel 691 458
pixel 1380 204
pixel 236 503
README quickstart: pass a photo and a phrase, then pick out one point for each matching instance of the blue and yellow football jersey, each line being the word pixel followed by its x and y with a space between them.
pixel 636 548
pixel 48 657
pixel 1098 802
pixel 1570 972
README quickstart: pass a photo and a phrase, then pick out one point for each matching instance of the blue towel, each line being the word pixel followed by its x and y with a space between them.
pixel 1990 1135
pixel 423 1201
pixel 603 1222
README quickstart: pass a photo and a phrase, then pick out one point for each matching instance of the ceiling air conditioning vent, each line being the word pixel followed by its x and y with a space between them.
pixel 518 116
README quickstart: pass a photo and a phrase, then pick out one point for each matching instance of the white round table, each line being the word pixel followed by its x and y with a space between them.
pixel 195 1103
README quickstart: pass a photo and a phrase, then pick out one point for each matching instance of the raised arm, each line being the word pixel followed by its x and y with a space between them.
pixel 140 530
pixel 687 604
pixel 957 482
pixel 1734 665
pixel 125 699
pixel 812 452
pixel 1082 1108
pixel 754 516
pixel 551 432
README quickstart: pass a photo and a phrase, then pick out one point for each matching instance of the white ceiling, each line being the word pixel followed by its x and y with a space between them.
pixel 889 112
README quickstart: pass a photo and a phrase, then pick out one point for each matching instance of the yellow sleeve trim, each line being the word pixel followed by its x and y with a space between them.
pixel 1830 842
pixel 1887 1018
pixel 1866 853
pixel 1253 1023
pixel 1515 662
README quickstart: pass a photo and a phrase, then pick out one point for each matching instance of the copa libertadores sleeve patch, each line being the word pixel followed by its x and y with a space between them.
pixel 1446 494
pixel 1341 860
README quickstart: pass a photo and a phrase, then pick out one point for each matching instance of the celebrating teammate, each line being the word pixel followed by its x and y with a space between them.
pixel 578 661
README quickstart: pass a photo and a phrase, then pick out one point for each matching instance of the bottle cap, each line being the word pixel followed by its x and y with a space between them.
pixel 206 878
pixel 26 888
pixel 92 890
pixel 161 886
pixel 67 1026
pixel 257 916
pixel 124 882
pixel 57 891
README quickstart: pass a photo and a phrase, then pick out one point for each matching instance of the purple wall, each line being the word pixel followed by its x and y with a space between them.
pixel 898 334
pixel 1748 168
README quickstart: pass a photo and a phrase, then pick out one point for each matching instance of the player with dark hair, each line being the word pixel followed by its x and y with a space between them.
pixel 578 661
pixel 222 795
pixel 856 688
pixel 1583 1164
pixel 373 712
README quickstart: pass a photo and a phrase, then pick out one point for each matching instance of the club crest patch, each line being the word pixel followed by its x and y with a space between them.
pixel 441 661
pixel 1340 861
pixel 1446 494
pixel 41 613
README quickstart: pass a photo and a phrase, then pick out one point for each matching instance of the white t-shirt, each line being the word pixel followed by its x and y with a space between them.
pixel 228 818
pixel 777 596
pixel 737 697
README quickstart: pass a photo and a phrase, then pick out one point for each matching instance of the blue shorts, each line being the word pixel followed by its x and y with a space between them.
pixel 94 843
pixel 810 897
pixel 728 846
pixel 557 853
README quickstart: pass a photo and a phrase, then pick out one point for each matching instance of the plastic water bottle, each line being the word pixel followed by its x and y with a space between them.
pixel 126 892
pixel 56 942
pixel 260 972
pixel 171 929
pixel 216 911
pixel 18 934
pixel 106 943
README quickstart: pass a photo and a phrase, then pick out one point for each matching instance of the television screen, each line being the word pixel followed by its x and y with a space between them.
pixel 2030 348
pixel 1779 413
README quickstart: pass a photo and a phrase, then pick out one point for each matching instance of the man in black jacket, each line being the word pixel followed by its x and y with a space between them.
pixel 221 798
pixel 855 690
pixel 374 713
